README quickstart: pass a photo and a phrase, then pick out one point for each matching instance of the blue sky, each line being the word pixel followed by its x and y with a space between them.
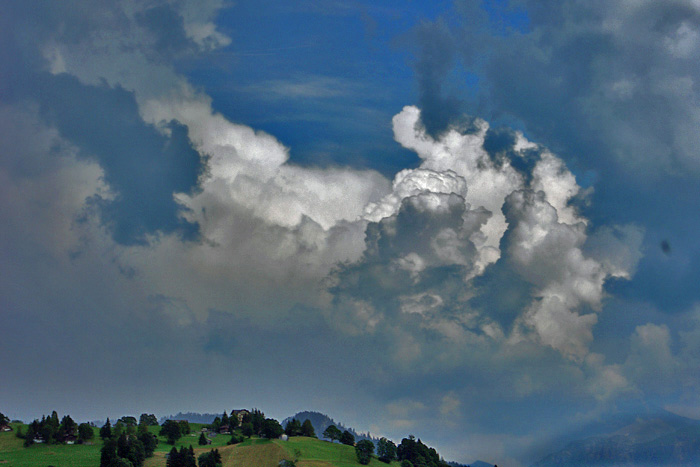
pixel 469 221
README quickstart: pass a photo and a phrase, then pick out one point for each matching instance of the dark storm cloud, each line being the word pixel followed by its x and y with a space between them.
pixel 435 55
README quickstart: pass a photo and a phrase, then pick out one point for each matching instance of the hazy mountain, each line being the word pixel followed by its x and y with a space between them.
pixel 191 417
pixel 322 421
pixel 663 439
pixel 473 464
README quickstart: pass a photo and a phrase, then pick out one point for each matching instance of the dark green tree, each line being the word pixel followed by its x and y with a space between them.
pixel 293 428
pixel 210 459
pixel 171 430
pixel 117 429
pixel 137 453
pixel 53 420
pixel 215 424
pixel 418 453
pixel 108 453
pixel 188 457
pixel 85 432
pixel 185 427
pixel 123 446
pixel 364 449
pixel 47 431
pixel 121 462
pixel 247 429
pixel 148 419
pixel 67 426
pixel 236 438
pixel 4 420
pixel 307 429
pixel 173 458
pixel 224 419
pixel 271 429
pixel 30 434
pixel 149 441
pixel 106 430
pixel 386 450
pixel 129 421
pixel 332 433
pixel 202 439
pixel 347 438
pixel 257 418
pixel 183 458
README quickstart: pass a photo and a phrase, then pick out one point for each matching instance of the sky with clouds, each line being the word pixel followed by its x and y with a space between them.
pixel 472 221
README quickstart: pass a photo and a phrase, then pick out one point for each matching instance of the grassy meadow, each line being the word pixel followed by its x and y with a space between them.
pixel 254 452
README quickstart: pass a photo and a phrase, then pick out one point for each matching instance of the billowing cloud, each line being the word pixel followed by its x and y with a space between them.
pixel 463 210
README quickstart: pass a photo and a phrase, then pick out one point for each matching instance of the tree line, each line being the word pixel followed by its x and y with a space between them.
pixel 49 430
pixel 129 442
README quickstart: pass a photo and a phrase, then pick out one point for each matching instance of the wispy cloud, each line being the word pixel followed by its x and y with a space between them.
pixel 304 87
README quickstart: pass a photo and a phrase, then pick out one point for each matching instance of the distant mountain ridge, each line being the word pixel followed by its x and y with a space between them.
pixel 473 464
pixel 192 417
pixel 662 439
pixel 322 421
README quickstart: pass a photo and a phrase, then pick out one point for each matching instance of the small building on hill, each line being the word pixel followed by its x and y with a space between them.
pixel 5 428
pixel 239 414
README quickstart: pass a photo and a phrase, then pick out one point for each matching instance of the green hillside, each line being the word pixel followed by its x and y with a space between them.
pixel 306 452
pixel 14 454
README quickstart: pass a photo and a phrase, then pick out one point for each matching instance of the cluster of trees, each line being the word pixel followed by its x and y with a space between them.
pixel 185 458
pixel 50 430
pixel 224 420
pixel 174 430
pixel 333 433
pixel 294 428
pixel 414 453
pixel 4 420
pixel 182 458
pixel 410 452
pixel 255 423
pixel 126 444
pixel 386 450
pixel 210 459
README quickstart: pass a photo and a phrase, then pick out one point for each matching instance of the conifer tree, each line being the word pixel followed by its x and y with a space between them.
pixel 108 453
pixel 307 429
pixel 106 430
